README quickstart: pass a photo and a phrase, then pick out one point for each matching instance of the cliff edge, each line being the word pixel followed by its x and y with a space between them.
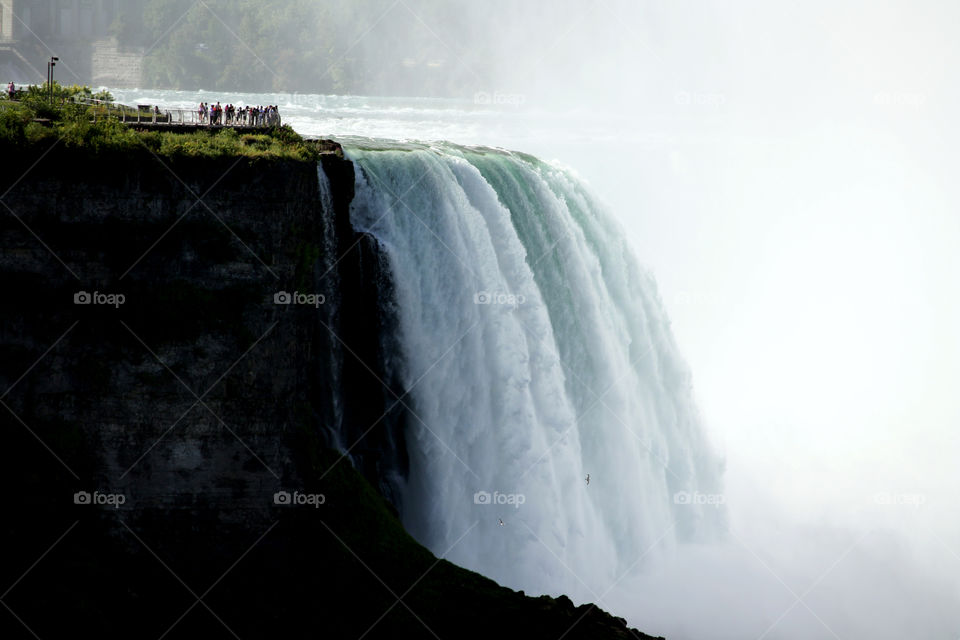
pixel 172 335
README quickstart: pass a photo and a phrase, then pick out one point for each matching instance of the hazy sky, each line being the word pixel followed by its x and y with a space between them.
pixel 788 172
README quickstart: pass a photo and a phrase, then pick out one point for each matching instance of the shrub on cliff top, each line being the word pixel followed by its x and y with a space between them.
pixel 102 135
pixel 14 119
pixel 36 120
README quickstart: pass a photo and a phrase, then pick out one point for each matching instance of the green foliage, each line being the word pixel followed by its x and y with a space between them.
pixel 37 133
pixel 255 141
pixel 329 46
pixel 103 96
pixel 39 102
pixel 287 135
pixel 228 143
pixel 38 119
pixel 102 135
pixel 127 25
pixel 225 44
pixel 14 119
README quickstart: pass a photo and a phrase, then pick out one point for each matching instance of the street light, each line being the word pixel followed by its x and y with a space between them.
pixel 50 66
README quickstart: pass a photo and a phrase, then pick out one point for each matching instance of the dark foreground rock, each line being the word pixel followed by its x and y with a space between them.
pixel 154 442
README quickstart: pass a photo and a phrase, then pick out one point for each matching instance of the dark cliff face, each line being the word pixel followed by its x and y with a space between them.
pixel 188 400
pixel 198 250
pixel 162 411
pixel 360 334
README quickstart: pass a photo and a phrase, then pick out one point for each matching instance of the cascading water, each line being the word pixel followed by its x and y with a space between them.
pixel 535 351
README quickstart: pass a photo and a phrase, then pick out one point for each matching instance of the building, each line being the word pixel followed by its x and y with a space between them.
pixel 82 33
pixel 59 19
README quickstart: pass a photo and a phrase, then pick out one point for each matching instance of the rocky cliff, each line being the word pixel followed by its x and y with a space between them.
pixel 182 342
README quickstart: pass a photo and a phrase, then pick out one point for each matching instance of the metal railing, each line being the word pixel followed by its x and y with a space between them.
pixel 150 115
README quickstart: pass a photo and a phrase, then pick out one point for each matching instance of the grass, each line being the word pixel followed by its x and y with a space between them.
pixel 282 143
pixel 36 121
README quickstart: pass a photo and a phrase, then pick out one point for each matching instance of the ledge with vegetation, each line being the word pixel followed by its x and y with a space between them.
pixel 37 118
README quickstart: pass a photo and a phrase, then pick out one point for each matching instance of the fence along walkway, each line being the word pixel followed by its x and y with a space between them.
pixel 147 116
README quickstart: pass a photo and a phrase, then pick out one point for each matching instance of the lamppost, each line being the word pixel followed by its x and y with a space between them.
pixel 50 66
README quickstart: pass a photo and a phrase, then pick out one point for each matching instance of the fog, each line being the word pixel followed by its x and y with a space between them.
pixel 787 170
pixel 802 229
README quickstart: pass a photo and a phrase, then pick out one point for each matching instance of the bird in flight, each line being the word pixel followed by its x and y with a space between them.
pixel 588 478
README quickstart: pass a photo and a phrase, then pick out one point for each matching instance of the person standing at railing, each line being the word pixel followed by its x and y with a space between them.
pixel 11 91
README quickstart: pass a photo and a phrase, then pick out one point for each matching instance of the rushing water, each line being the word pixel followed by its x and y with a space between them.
pixel 535 350
pixel 519 126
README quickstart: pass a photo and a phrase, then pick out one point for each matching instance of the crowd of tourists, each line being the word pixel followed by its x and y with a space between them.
pixel 230 115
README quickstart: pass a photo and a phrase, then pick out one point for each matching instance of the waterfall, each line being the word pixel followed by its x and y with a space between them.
pixel 534 351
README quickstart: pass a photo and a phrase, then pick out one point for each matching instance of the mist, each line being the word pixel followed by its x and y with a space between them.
pixel 787 171
pixel 795 204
